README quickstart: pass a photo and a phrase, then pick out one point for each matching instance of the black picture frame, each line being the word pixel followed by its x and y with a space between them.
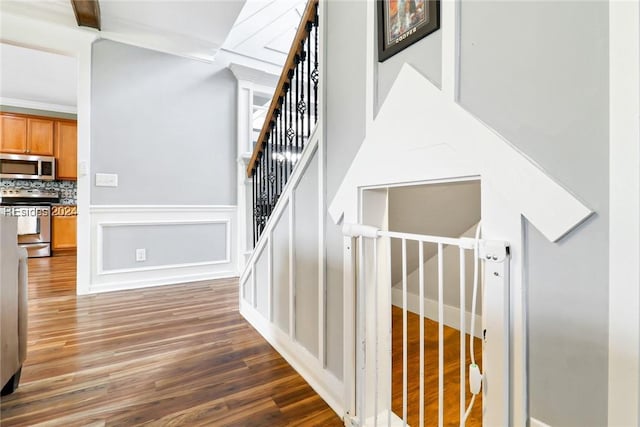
pixel 399 30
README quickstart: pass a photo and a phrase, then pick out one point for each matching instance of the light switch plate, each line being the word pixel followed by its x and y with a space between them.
pixel 106 180
pixel 83 169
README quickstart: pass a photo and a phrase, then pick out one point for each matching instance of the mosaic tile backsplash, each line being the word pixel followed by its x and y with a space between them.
pixel 67 189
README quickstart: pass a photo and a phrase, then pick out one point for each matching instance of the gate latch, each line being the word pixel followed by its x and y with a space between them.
pixel 493 250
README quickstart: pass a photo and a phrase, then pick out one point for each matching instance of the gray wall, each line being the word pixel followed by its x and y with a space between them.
pixel 166 125
pixel 262 281
pixel 446 209
pixel 425 56
pixel 537 72
pixel 305 236
pixel 189 243
pixel 280 271
pixel 345 123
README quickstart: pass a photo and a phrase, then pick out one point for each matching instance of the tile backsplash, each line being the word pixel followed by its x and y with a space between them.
pixel 67 189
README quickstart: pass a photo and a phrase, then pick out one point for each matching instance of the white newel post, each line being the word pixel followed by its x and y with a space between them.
pixel 245 231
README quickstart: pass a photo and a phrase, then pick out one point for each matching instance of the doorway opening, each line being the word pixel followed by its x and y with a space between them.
pixel 419 300
pixel 38 108
pixel 451 209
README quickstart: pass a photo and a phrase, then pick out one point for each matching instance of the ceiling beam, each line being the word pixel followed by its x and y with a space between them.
pixel 87 13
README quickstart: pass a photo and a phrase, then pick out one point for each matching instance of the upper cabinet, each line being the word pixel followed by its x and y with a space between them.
pixel 26 135
pixel 66 149
pixel 44 136
pixel 40 137
pixel 13 134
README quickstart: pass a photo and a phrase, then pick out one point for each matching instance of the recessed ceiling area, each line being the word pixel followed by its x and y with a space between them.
pixel 265 29
pixel 190 28
pixel 38 77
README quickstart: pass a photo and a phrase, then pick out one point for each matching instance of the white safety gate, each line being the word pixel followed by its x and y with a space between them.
pixel 372 397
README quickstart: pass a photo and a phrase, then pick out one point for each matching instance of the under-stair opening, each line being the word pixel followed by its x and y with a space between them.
pixel 421 266
pixel 450 209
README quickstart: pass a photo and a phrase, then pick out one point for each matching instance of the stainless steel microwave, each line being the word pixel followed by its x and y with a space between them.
pixel 21 166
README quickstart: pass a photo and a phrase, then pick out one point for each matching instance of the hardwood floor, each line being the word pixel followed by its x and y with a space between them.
pixel 174 355
pixel 451 370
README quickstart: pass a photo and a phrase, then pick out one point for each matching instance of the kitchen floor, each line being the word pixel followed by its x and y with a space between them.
pixel 172 355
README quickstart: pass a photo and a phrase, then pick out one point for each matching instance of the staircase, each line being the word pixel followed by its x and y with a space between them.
pixel 289 123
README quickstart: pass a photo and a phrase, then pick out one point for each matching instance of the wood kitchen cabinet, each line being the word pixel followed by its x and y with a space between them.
pixel 66 150
pixel 13 134
pixel 63 232
pixel 40 137
pixel 26 135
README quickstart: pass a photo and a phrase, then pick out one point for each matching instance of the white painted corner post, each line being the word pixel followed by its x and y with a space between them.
pixel 244 202
pixel 85 259
pixel 624 213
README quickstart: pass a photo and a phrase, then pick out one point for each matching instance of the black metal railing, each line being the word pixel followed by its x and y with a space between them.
pixel 289 122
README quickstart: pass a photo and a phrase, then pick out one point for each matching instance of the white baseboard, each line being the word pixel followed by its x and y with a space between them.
pixel 536 423
pixel 451 313
pixel 163 281
pixel 307 365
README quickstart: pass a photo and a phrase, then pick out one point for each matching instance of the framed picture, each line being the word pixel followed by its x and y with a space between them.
pixel 403 22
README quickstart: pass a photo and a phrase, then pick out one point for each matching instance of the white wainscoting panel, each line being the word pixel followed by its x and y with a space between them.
pixel 138 217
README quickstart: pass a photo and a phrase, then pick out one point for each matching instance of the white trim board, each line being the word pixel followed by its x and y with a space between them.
pixel 537 423
pixel 160 208
pixel 36 105
pixel 451 313
pixel 307 365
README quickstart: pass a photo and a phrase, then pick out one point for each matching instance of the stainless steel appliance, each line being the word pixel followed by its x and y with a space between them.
pixel 21 166
pixel 33 209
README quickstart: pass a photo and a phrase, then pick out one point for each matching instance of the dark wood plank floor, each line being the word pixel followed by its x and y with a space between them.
pixel 451 372
pixel 174 355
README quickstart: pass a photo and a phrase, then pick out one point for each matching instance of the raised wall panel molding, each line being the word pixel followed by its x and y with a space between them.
pixel 102 225
pixel 114 216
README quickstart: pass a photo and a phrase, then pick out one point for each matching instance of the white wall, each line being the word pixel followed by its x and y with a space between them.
pixel 38 79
